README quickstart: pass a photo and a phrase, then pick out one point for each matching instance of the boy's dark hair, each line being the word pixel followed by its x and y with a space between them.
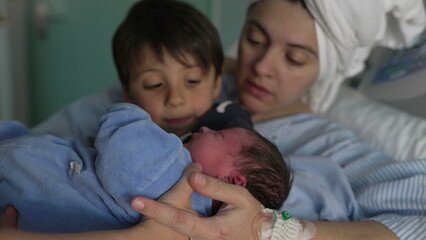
pixel 165 25
pixel 302 2
pixel 268 176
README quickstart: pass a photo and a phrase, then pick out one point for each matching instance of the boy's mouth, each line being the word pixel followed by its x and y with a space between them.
pixel 175 122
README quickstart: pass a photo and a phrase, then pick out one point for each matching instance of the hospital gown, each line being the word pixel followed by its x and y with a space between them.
pixel 57 185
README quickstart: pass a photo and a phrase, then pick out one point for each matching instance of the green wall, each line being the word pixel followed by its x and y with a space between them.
pixel 71 57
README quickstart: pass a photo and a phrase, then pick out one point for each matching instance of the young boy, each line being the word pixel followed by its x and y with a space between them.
pixel 57 185
pixel 169 60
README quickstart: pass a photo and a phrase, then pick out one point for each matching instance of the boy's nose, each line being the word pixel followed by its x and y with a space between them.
pixel 204 129
pixel 175 98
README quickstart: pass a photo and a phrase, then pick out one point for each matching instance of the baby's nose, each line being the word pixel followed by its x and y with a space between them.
pixel 204 129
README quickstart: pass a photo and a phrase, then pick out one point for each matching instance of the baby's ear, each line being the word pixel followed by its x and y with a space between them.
pixel 236 179
pixel 239 180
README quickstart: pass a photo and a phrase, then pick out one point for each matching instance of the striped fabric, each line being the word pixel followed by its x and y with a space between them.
pixel 390 192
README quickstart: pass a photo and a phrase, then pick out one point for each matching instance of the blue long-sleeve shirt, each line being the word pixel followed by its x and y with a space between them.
pixel 58 185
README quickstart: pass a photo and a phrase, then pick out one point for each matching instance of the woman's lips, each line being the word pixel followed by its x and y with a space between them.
pixel 257 90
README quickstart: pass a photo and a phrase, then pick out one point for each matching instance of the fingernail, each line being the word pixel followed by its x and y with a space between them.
pixel 138 205
pixel 200 179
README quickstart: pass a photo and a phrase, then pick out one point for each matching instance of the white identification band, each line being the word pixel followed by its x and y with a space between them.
pixel 280 226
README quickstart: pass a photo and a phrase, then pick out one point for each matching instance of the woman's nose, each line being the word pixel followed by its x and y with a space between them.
pixel 264 64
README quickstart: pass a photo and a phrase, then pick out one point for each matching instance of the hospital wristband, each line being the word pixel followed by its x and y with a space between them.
pixel 280 226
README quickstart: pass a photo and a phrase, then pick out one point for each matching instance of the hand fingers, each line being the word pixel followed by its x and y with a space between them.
pixel 219 190
pixel 182 184
pixel 180 193
pixel 9 219
pixel 177 219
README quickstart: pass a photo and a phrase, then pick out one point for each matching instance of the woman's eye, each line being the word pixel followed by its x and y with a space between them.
pixel 295 61
pixel 154 86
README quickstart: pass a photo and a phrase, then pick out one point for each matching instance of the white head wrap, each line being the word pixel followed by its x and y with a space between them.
pixel 347 31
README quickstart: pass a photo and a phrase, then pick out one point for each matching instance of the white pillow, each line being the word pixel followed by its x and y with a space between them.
pixel 392 131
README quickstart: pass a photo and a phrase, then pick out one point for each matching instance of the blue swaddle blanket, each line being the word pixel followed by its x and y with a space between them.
pixel 58 185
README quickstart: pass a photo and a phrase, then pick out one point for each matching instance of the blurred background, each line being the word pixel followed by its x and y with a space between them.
pixel 55 51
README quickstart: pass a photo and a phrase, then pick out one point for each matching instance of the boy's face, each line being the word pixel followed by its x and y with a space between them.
pixel 218 151
pixel 176 96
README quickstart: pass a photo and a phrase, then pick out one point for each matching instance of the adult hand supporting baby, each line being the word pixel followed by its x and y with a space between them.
pixel 239 218
pixel 9 218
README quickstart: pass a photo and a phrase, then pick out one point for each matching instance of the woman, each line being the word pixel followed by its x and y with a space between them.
pixel 293 56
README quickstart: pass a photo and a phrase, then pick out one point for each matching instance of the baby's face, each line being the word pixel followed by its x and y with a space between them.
pixel 175 95
pixel 218 151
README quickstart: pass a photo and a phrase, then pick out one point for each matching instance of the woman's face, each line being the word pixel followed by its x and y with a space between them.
pixel 278 58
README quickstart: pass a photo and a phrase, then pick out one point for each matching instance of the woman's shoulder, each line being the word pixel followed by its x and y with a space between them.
pixel 306 134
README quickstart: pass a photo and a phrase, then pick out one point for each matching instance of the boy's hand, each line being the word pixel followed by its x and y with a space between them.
pixel 9 218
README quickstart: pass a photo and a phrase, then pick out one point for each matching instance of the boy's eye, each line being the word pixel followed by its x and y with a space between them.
pixel 154 86
pixel 193 81
pixel 254 42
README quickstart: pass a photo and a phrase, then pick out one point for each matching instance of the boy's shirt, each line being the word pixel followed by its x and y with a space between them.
pixel 80 119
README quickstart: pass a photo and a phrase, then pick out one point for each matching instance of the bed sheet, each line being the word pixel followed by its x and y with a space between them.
pixel 392 131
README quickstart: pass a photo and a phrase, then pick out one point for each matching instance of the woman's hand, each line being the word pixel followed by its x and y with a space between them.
pixel 178 197
pixel 239 218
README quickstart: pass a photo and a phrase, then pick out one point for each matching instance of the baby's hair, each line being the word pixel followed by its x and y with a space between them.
pixel 165 25
pixel 268 176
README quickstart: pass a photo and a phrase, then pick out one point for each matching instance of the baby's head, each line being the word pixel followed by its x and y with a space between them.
pixel 243 157
pixel 169 59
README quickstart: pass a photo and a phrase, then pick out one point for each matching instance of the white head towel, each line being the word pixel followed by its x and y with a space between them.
pixel 347 31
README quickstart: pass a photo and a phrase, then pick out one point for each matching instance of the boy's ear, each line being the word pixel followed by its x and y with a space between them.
pixel 125 92
pixel 217 87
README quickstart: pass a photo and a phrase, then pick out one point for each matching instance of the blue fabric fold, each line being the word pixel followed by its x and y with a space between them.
pixel 58 185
